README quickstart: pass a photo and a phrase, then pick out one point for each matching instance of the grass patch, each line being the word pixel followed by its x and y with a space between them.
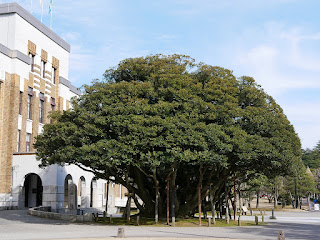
pixel 192 222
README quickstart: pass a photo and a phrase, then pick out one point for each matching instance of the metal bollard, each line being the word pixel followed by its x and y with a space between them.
pixel 120 233
pixel 110 218
pixel 256 219
pixel 281 235
pixel 272 216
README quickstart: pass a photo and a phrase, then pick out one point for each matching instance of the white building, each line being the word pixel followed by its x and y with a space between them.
pixel 34 63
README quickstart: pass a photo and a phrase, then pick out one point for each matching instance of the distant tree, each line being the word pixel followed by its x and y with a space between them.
pixel 160 117
pixel 311 158
pixel 257 184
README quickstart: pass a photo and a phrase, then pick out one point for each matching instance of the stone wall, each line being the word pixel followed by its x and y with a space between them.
pixel 87 217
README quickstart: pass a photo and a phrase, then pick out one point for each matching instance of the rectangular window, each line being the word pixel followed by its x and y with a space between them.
pixel 29 106
pixel 43 63
pixel 28 142
pixel 32 61
pixel 53 105
pixel 54 72
pixel 18 141
pixel 41 108
pixel 20 103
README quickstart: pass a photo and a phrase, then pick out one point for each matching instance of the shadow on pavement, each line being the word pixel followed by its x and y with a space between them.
pixel 291 230
pixel 16 216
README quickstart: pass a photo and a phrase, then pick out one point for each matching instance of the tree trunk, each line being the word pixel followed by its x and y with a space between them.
pixel 257 204
pixel 240 202
pixel 156 210
pixel 213 208
pixel 227 205
pixel 221 207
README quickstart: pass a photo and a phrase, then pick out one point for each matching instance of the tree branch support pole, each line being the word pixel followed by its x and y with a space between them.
pixel 227 207
pixel 157 204
pixel 173 204
pixel 168 201
pixel 295 193
pixel 199 203
pixel 235 199
pixel 275 195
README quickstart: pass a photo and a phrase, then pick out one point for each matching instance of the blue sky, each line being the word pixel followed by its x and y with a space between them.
pixel 275 41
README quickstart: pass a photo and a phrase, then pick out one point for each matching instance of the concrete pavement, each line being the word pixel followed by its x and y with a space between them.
pixel 19 225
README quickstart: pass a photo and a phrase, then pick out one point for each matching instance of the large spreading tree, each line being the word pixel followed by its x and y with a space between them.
pixel 158 117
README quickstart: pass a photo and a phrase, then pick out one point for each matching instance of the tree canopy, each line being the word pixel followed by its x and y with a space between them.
pixel 158 117
pixel 311 158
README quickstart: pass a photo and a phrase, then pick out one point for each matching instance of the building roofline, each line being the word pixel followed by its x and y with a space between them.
pixel 68 84
pixel 8 8
pixel 15 54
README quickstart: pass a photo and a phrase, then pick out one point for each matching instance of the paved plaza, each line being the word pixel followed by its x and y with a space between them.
pixel 18 224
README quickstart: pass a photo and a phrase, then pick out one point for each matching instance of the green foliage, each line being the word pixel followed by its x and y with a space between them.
pixel 305 184
pixel 161 116
pixel 311 158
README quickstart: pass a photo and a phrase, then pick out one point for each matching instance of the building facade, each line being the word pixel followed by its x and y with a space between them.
pixel 34 63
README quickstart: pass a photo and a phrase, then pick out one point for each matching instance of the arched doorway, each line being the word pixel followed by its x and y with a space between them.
pixel 82 198
pixel 93 193
pixel 32 191
pixel 67 181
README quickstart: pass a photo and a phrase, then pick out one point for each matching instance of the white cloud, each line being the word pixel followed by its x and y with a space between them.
pixel 302 58
pixel 279 62
pixel 284 60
